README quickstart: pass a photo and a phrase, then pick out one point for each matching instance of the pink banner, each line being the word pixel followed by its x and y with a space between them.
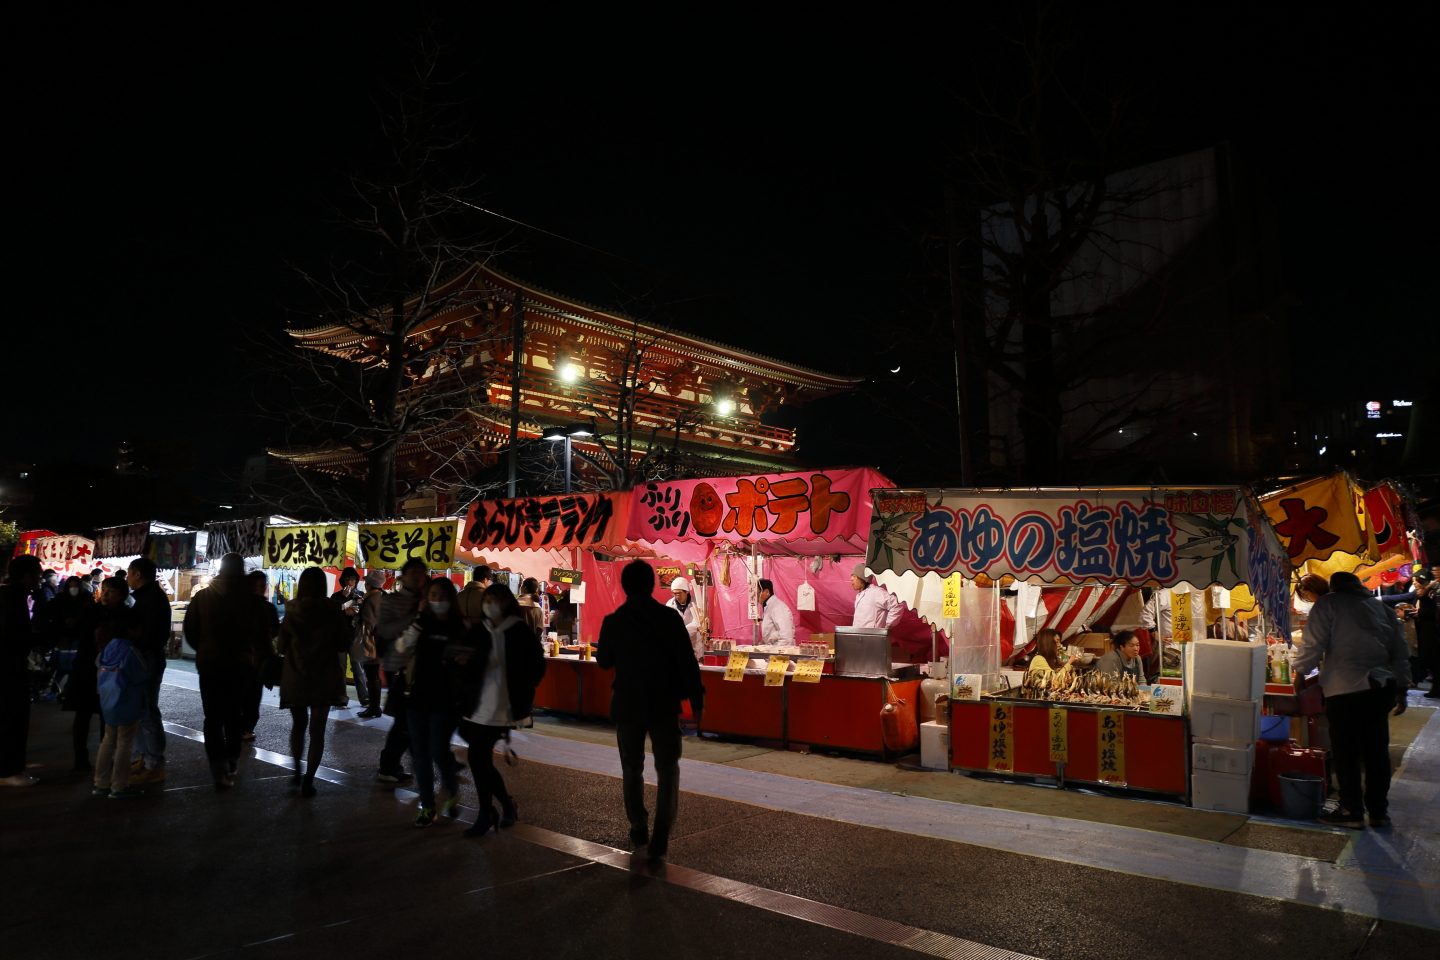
pixel 822 506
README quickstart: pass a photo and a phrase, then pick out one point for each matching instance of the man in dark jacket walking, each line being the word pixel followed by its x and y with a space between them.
pixel 16 639
pixel 648 647
pixel 229 627
pixel 150 640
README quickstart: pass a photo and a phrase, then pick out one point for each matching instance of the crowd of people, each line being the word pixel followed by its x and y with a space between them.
pixel 465 661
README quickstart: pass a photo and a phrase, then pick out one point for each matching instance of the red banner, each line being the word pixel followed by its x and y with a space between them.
pixel 1386 518
pixel 813 505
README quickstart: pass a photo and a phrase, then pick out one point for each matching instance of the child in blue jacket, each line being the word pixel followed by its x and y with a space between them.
pixel 120 681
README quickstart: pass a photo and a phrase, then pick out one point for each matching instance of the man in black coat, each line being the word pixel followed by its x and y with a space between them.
pixel 151 637
pixel 648 647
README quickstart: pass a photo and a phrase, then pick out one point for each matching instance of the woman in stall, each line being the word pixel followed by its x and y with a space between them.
pixel 1123 657
pixel 1048 655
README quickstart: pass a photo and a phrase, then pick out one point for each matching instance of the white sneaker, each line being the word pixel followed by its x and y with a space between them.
pixel 19 780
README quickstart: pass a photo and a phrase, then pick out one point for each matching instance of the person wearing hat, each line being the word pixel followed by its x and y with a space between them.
pixel 875 607
pixel 682 603
pixel 1364 673
pixel 777 623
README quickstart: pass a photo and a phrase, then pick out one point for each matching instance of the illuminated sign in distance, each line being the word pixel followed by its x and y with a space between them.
pixel 1372 410
pixel 1389 436
pixel 1401 403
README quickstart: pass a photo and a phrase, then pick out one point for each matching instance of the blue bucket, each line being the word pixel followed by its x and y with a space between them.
pixel 1275 729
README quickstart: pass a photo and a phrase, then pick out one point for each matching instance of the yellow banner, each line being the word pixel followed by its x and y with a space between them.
pixel 309 545
pixel 1180 624
pixel 775 669
pixel 950 599
pixel 1111 746
pixel 1317 519
pixel 735 669
pixel 1002 738
pixel 387 546
pixel 1059 734
pixel 808 671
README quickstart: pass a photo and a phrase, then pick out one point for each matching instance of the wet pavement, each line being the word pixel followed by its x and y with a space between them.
pixel 185 872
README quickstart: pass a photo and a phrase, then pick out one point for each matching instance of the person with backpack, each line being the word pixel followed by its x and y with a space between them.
pixel 121 681
pixel 436 655
pixel 510 667
pixel 313 637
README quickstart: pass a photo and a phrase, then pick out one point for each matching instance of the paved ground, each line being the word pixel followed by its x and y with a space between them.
pixel 259 871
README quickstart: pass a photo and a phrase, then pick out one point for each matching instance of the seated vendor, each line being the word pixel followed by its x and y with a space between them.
pixel 1124 657
pixel 1048 656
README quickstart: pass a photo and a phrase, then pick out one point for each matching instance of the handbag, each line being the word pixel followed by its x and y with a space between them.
pixel 271 671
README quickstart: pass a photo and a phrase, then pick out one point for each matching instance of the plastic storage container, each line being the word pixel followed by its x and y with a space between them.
pixel 934 746
pixel 1221 720
pixel 1275 729
pixel 1301 795
pixel 1224 668
pixel 1220 791
pixel 1222 758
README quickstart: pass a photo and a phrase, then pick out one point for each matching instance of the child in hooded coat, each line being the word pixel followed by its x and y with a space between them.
pixel 120 683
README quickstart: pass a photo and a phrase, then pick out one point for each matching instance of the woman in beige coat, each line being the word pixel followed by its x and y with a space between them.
pixel 313 635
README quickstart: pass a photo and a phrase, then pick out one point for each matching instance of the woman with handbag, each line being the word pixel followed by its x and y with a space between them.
pixel 312 635
pixel 511 664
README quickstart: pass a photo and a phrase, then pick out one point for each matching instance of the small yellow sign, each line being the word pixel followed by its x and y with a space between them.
pixel 1180 617
pixel 808 671
pixel 735 669
pixel 1059 734
pixel 775 671
pixel 1111 746
pixel 950 602
pixel 1002 738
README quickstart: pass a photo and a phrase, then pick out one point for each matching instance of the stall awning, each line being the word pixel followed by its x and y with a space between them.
pixel 1155 536
pixel 595 520
pixel 811 513
pixel 1318 518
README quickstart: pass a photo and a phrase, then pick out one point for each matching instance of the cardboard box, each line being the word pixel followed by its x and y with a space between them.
pixel 1224 668
pixel 1096 643
pixel 934 746
pixel 1229 792
pixel 1222 758
pixel 1221 720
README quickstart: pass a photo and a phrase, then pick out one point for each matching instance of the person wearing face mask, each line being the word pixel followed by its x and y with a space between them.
pixel 438 654
pixel 510 664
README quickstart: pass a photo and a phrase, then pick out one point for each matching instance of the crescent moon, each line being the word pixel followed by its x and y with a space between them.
pixel 896 370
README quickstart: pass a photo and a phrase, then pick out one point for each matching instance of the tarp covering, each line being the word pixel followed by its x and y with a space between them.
pixel 1318 518
pixel 1140 536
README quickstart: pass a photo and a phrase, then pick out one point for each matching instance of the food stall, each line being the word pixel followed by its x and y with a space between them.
pixel 68 556
pixel 956 549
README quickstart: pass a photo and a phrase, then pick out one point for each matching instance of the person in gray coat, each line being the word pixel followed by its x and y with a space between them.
pixel 1364 664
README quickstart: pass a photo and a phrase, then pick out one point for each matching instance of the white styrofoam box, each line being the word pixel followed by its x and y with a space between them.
pixel 1221 720
pixel 1220 791
pixel 934 746
pixel 1225 668
pixel 1222 758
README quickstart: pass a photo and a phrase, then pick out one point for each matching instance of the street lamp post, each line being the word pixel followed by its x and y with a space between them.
pixel 567 434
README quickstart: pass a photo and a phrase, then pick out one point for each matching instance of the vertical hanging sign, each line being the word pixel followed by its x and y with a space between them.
pixel 1111 746
pixel 950 599
pixel 1002 738
pixel 1059 735
pixel 1181 630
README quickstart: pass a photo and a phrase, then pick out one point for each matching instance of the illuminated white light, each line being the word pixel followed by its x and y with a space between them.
pixel 1194 434
pixel 1388 436
pixel 570 372
pixel 725 407
pixel 1401 403
pixel 897 370
pixel 1322 450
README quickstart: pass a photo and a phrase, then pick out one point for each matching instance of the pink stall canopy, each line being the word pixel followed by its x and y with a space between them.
pixel 812 513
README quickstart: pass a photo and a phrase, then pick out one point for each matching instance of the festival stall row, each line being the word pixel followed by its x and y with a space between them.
pixel 957 551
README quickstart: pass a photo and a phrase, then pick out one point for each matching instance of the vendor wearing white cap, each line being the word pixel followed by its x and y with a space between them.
pixel 875 606
pixel 777 624
pixel 689 611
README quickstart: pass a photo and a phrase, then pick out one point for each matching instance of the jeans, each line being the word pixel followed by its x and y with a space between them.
pixel 357 670
pixel 112 764
pixel 489 785
pixel 664 733
pixel 372 683
pixel 14 722
pixel 397 739
pixel 430 746
pixel 225 695
pixel 1360 739
pixel 150 737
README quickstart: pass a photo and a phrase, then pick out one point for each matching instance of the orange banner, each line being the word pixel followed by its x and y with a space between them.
pixel 1316 519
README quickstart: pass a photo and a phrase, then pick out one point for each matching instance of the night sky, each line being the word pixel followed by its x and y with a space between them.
pixel 782 176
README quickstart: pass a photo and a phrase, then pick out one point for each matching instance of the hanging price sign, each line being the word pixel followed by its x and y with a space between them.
pixel 775 671
pixel 1180 617
pixel 808 671
pixel 735 669
pixel 1111 747
pixel 1002 738
pixel 1059 735
pixel 950 599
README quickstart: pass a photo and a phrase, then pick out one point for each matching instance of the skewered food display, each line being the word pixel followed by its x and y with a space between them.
pixel 1072 686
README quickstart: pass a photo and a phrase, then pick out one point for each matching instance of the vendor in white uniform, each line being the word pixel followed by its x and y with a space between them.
pixel 874 605
pixel 777 624
pixel 689 611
